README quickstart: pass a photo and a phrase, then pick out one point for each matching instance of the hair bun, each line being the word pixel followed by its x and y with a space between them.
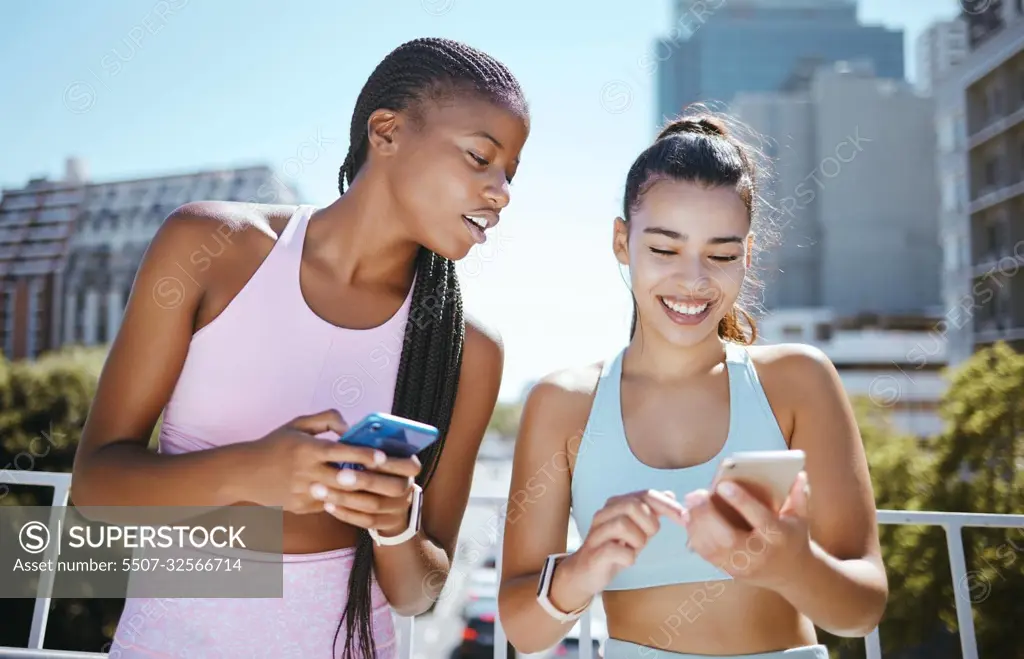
pixel 700 125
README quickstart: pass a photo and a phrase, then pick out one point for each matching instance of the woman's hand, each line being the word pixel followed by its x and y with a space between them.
pixel 619 531
pixel 766 553
pixel 296 470
pixel 377 497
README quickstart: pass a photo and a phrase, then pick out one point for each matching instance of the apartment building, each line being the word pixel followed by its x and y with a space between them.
pixel 939 48
pixel 980 125
pixel 69 248
pixel 893 361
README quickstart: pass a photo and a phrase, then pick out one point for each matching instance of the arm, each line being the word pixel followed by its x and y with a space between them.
pixel 842 587
pixel 537 521
pixel 412 574
pixel 113 465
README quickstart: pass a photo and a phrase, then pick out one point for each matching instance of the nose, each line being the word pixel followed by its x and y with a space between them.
pixel 497 193
pixel 693 277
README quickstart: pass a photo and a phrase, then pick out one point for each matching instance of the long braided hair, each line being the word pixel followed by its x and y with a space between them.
pixel 428 372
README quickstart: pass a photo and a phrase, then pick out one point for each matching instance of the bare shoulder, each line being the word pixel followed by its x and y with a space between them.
pixel 567 389
pixel 483 362
pixel 235 216
pixel 483 343
pixel 797 379
pixel 219 243
pixel 792 365
pixel 558 406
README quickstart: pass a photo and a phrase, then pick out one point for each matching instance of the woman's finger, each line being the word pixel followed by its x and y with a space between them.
pixel 365 502
pixel 368 481
pixel 622 528
pixel 349 516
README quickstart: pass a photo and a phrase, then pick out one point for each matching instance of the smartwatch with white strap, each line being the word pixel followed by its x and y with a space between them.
pixel 414 522
pixel 544 588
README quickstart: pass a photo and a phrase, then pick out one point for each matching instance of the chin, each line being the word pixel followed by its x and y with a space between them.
pixel 453 252
pixel 688 337
pixel 449 247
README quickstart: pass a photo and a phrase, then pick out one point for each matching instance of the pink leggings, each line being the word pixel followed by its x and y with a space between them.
pixel 300 624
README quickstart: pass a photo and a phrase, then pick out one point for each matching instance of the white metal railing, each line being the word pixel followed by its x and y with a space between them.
pixel 952 523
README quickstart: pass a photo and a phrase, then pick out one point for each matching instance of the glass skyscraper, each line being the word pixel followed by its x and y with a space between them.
pixel 717 48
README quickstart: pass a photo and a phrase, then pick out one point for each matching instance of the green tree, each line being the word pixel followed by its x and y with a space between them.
pixel 43 407
pixel 505 420
pixel 977 469
pixel 972 466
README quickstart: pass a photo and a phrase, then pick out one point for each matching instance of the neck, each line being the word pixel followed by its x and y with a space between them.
pixel 362 238
pixel 651 357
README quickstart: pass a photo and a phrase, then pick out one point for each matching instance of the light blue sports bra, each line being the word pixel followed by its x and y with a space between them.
pixel 606 466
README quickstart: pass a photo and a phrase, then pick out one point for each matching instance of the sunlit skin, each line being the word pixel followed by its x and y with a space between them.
pixel 690 244
pixel 419 178
pixel 821 563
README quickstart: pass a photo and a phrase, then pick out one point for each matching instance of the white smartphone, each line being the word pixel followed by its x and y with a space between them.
pixel 768 474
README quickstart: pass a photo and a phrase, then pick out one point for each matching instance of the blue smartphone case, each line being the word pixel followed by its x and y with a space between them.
pixel 396 436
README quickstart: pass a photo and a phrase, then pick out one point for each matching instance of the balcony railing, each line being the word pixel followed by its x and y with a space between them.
pixel 952 523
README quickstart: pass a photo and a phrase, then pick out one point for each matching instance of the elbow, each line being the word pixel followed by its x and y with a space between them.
pixel 874 612
pixel 410 603
pixel 82 492
pixel 870 615
pixel 413 608
pixel 525 641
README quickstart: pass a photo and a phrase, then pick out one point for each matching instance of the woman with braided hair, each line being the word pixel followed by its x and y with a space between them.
pixel 310 319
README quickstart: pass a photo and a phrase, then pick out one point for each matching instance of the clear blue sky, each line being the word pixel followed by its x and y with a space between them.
pixel 217 83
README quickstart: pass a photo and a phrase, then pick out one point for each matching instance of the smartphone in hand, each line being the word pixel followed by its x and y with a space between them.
pixel 768 475
pixel 396 436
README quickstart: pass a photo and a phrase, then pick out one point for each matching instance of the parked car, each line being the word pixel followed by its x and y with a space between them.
pixel 477 638
pixel 480 605
pixel 481 592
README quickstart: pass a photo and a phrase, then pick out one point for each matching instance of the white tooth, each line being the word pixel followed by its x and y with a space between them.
pixel 480 222
pixel 691 310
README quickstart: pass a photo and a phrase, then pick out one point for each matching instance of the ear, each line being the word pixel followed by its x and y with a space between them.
pixel 620 241
pixel 381 129
pixel 750 249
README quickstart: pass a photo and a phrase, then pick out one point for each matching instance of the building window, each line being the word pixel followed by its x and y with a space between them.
pixel 792 332
pixel 1020 155
pixel 991 174
pixel 993 103
pixel 1001 305
pixel 7 297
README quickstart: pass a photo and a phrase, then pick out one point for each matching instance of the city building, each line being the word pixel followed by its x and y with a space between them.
pixel 895 362
pixel 852 193
pixel 939 48
pixel 718 48
pixel 979 121
pixel 69 248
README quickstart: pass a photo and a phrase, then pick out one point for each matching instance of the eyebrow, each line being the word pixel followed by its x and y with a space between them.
pixel 485 134
pixel 675 235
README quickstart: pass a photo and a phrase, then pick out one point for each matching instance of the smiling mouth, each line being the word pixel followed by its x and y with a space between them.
pixel 476 225
pixel 477 220
pixel 690 308
pixel 686 312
